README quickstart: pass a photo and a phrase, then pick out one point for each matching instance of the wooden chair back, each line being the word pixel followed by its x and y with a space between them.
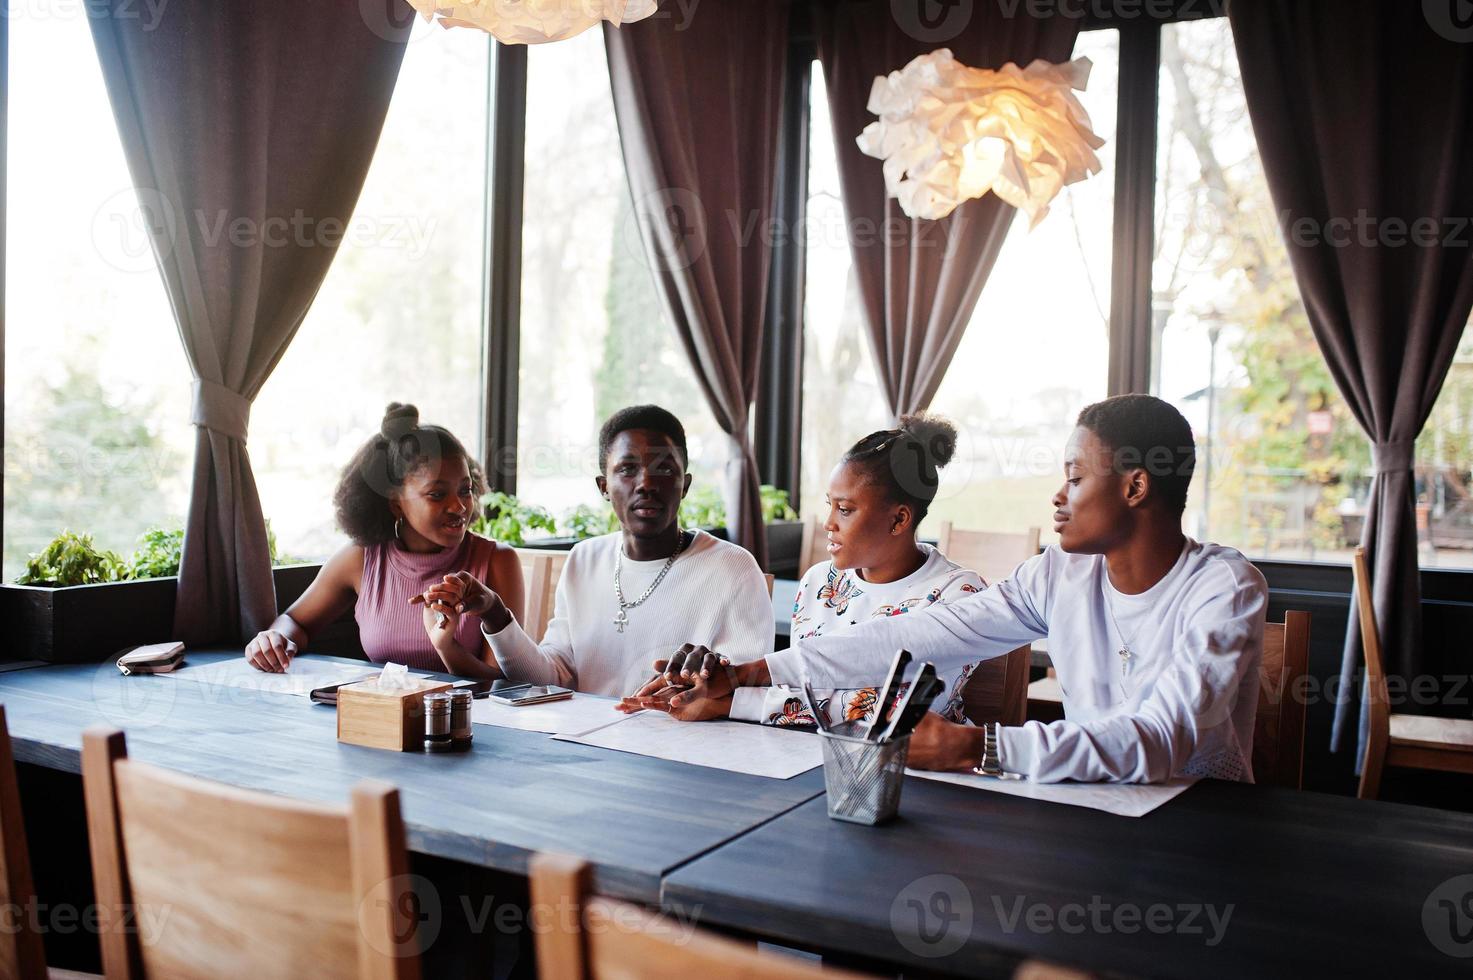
pixel 998 689
pixel 991 554
pixel 815 544
pixel 771 579
pixel 1278 734
pixel 541 571
pixel 243 884
pixel 602 939
pixel 22 953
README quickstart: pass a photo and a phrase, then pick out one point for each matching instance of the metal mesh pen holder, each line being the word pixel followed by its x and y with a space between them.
pixel 863 778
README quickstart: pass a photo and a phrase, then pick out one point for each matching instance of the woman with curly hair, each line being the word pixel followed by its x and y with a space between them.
pixel 407 499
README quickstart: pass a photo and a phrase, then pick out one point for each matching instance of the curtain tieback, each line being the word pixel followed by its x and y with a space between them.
pixel 220 409
pixel 1391 457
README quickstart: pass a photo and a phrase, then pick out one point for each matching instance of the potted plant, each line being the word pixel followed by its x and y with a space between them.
pixel 76 603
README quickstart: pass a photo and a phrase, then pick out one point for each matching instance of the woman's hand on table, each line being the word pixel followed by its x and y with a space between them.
pixel 270 651
pixel 663 699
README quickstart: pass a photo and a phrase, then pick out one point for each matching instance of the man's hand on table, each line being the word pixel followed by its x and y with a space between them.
pixel 944 746
pixel 695 684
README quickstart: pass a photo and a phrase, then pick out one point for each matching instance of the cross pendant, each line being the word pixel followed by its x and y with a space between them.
pixel 1125 656
pixel 620 621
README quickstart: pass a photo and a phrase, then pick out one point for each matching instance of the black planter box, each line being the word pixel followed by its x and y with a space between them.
pixel 86 623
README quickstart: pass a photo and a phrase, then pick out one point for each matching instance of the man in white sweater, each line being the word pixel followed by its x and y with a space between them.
pixel 1156 638
pixel 637 595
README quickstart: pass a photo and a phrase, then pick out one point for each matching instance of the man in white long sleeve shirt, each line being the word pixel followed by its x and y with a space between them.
pixel 1156 638
pixel 628 598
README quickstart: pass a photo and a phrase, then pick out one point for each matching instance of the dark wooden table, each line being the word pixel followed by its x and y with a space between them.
pixel 514 794
pixel 967 882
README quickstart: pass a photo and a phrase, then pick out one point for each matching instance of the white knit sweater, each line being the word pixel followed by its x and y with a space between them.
pixel 714 594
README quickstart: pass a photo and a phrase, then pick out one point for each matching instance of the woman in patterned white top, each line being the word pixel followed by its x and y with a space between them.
pixel 878 495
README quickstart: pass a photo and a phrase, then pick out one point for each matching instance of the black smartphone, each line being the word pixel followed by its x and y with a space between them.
pixel 478 688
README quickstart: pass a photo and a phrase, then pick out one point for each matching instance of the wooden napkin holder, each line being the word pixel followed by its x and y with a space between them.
pixel 385 719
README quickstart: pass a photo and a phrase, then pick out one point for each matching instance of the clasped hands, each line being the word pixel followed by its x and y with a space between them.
pixel 695 684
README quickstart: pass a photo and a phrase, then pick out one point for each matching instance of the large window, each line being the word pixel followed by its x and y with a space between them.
pixel 399 315
pixel 595 337
pixel 1284 467
pixel 97 391
pixel 842 400
pixel 1036 348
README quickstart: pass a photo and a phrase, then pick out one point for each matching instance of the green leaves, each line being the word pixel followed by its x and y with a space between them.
pixel 72 559
pixel 158 553
pixel 506 519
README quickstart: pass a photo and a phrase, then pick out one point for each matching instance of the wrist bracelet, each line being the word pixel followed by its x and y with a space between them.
pixel 991 764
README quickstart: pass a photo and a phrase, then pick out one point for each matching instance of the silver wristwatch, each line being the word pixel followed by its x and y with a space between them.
pixel 991 760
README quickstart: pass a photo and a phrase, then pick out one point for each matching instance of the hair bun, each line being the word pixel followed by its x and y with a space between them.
pixel 936 435
pixel 399 421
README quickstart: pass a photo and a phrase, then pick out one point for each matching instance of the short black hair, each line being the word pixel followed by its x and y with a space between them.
pixel 904 460
pixel 401 448
pixel 1144 432
pixel 651 417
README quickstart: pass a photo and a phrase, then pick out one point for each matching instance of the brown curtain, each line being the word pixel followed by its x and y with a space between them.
pixel 698 107
pixel 248 128
pixel 918 280
pixel 1364 118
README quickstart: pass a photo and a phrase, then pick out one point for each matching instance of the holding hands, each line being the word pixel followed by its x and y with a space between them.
pixel 695 684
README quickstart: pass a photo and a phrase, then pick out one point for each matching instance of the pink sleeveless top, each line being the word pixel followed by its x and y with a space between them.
pixel 391 630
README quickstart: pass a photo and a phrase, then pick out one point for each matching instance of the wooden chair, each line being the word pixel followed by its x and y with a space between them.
pixel 815 544
pixel 253 885
pixel 1278 732
pixel 541 571
pixel 602 939
pixel 998 689
pixel 21 952
pixel 991 554
pixel 1412 741
pixel 771 578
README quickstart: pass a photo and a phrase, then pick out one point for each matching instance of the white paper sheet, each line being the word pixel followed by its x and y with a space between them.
pixel 580 713
pixel 1122 799
pixel 757 750
pixel 304 674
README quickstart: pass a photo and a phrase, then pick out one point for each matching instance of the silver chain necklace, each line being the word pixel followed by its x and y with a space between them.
pixel 1125 653
pixel 622 620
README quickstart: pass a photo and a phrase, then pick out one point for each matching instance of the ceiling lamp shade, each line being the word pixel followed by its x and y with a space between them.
pixel 948 133
pixel 533 21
